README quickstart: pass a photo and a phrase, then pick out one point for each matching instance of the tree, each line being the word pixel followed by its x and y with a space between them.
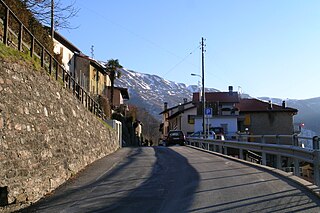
pixel 113 67
pixel 52 12
pixel 19 8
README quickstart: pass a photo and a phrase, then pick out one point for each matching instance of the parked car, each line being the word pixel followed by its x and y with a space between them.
pixel 175 137
pixel 199 134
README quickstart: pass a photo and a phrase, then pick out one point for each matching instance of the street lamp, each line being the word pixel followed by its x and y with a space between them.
pixel 203 100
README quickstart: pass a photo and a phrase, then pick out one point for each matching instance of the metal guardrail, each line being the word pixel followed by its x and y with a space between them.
pixel 298 154
pixel 46 59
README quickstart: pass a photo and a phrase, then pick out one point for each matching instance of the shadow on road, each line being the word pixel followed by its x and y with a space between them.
pixel 167 182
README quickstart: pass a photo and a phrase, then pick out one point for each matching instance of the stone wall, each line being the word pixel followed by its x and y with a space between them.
pixel 46 135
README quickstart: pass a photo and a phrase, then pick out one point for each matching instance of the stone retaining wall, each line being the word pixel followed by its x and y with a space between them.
pixel 46 135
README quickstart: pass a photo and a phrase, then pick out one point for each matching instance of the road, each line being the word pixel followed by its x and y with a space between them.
pixel 176 179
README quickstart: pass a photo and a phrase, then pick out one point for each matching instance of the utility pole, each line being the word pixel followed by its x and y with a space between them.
pixel 203 91
pixel 52 19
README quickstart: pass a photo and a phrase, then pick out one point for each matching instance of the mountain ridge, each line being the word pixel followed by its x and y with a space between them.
pixel 150 91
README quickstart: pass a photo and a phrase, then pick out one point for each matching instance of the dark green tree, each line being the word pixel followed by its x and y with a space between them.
pixel 113 67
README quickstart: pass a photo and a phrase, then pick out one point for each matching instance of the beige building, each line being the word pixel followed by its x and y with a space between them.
pixel 91 75
pixel 119 95
pixel 66 51
pixel 180 117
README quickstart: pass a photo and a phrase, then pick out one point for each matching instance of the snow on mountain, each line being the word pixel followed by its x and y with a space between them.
pixel 151 91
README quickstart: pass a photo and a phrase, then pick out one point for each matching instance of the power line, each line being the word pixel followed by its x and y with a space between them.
pixel 182 60
pixel 154 44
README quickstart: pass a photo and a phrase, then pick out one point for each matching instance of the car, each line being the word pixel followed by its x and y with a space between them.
pixel 175 137
pixel 199 134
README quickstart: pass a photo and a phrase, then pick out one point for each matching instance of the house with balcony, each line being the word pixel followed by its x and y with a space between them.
pixel 224 111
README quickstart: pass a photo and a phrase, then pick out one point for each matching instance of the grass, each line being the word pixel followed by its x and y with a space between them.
pixel 104 123
pixel 9 53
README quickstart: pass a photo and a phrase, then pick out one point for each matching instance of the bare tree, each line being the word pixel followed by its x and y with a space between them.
pixel 50 12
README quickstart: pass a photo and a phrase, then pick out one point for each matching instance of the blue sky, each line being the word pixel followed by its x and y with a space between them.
pixel 265 47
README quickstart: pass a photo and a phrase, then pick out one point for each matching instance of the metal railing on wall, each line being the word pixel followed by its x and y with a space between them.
pixel 297 153
pixel 23 40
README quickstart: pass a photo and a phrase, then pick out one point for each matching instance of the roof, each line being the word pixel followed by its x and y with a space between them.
pixel 255 105
pixel 179 105
pixel 65 42
pixel 222 97
pixel 96 64
pixel 180 112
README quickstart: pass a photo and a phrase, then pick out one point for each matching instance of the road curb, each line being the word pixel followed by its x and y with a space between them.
pixel 306 184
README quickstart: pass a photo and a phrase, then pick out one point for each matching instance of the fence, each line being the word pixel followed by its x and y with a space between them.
pixel 297 153
pixel 20 38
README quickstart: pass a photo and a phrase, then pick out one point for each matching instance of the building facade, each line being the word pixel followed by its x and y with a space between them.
pixel 232 113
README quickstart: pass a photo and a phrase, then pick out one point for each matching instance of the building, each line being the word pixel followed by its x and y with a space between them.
pixel 232 113
pixel 66 52
pixel 89 73
pixel 119 95
pixel 224 111
pixel 264 118
pixel 180 117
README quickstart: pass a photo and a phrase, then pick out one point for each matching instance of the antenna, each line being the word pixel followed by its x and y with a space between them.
pixel 92 51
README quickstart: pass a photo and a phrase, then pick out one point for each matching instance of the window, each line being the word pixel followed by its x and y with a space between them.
pixel 190 119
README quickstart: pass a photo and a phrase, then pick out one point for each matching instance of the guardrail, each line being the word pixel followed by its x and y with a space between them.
pixel 298 154
pixel 18 41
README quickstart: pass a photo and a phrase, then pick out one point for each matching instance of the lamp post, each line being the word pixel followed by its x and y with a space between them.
pixel 203 100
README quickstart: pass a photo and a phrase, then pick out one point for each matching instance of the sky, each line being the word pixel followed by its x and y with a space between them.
pixel 265 48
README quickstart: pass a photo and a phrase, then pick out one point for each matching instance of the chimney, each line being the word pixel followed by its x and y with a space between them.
pixel 165 107
pixel 283 104
pixel 270 105
pixel 230 90
pixel 185 100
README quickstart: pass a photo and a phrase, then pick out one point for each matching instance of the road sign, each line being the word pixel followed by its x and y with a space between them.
pixel 208 112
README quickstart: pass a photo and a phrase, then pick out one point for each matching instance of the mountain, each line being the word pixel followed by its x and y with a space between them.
pixel 308 111
pixel 151 91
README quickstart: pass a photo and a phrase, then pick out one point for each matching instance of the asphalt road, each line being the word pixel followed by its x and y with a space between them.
pixel 176 179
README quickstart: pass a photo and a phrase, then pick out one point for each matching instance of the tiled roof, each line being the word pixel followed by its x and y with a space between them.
pixel 255 105
pixel 222 97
